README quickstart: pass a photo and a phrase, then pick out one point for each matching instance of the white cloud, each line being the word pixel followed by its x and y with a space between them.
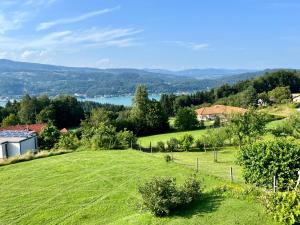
pixel 33 54
pixel 122 37
pixel 191 45
pixel 12 21
pixel 47 25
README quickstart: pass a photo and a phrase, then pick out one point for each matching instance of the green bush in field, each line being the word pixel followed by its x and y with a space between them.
pixel 162 197
pixel 168 158
pixel 199 144
pixel 284 206
pixel 186 142
pixel 264 159
pixel 161 146
pixel 172 145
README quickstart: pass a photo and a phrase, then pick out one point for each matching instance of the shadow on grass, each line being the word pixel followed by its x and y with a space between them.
pixel 207 203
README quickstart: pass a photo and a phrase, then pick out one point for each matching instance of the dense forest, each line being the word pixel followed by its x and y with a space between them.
pixel 244 93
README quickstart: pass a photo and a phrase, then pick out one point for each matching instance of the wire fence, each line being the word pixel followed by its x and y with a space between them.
pixel 212 162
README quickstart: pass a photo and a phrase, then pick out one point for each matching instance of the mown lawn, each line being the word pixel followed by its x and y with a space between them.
pixel 101 188
pixel 145 141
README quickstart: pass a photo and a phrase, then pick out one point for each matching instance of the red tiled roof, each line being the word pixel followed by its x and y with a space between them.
pixel 30 127
pixel 64 131
pixel 219 109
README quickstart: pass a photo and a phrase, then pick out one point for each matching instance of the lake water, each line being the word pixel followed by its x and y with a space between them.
pixel 118 100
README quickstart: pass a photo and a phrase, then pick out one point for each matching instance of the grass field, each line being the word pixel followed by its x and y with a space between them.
pixel 279 110
pixel 145 141
pixel 101 188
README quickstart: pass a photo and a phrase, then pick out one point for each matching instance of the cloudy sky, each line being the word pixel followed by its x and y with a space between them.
pixel 168 34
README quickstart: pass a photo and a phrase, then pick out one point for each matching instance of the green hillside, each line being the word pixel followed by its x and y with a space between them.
pixel 101 188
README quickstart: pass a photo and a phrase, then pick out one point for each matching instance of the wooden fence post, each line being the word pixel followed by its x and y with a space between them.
pixel 231 174
pixel 274 184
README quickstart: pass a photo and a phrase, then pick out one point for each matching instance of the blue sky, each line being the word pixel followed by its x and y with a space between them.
pixel 168 34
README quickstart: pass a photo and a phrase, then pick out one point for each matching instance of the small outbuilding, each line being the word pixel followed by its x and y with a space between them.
pixel 15 143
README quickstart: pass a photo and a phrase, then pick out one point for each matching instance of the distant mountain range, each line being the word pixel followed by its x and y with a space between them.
pixel 203 73
pixel 19 78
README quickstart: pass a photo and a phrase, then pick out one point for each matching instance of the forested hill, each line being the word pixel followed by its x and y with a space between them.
pixel 18 78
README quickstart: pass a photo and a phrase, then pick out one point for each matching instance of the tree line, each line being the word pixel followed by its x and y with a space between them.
pixel 271 87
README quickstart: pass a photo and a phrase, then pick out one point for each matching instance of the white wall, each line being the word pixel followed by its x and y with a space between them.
pixel 13 149
pixel 28 145
pixel 2 154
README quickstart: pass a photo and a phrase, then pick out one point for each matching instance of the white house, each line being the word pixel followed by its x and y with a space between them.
pixel 296 98
pixel 15 143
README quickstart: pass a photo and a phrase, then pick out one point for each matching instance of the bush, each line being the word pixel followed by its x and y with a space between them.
pixel 262 160
pixel 126 139
pixel 172 145
pixel 186 142
pixel 49 137
pixel 284 206
pixel 161 146
pixel 168 158
pixel 199 143
pixel 68 141
pixel 161 196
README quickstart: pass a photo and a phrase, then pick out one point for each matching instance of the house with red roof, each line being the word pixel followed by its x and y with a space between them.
pixel 221 111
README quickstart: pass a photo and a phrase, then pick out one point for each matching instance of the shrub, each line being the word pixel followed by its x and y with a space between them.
pixel 199 143
pixel 161 146
pixel 186 142
pixel 161 196
pixel 284 206
pixel 168 158
pixel 68 141
pixel 172 145
pixel 262 160
pixel 49 137
pixel 126 139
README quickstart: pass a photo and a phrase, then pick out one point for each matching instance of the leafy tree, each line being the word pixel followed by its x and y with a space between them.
pixel 10 120
pixel 28 109
pixel 99 115
pixel 172 145
pixel 156 117
pixel 280 95
pixel 186 119
pixel 68 111
pixel 247 127
pixel 186 142
pixel 249 97
pixel 167 103
pixel 49 137
pixel 46 115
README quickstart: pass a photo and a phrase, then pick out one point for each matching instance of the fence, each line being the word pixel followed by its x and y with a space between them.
pixel 212 163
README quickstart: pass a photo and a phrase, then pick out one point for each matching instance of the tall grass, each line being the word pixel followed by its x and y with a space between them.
pixel 31 156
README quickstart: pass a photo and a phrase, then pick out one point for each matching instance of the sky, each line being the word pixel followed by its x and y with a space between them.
pixel 165 34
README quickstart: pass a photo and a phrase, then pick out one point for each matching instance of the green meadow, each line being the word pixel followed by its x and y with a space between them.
pixel 100 187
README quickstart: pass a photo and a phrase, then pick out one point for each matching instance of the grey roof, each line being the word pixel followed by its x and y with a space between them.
pixel 16 134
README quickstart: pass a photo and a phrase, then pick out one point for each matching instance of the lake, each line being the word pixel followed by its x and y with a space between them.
pixel 117 100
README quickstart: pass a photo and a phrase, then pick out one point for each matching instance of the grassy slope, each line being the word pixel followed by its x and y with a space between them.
pixel 145 141
pixel 100 188
pixel 279 110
